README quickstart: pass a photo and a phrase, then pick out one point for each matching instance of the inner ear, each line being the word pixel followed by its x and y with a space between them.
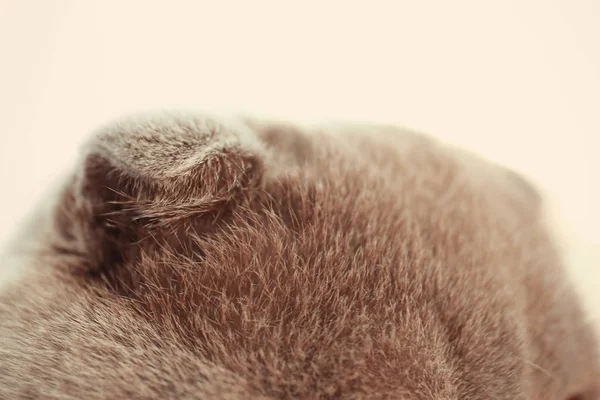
pixel 152 175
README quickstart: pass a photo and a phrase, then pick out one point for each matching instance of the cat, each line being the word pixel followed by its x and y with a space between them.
pixel 191 256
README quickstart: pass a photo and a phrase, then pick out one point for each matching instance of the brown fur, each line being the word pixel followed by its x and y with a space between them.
pixel 191 258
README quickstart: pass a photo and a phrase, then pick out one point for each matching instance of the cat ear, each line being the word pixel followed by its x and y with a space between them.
pixel 146 174
pixel 161 169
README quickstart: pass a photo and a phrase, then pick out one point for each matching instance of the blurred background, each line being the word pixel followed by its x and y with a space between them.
pixel 516 81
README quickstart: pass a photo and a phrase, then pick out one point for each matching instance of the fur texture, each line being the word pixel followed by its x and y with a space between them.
pixel 192 258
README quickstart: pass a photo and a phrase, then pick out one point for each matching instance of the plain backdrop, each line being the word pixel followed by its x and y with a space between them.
pixel 516 81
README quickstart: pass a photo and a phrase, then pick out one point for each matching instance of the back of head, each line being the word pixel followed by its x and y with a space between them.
pixel 194 257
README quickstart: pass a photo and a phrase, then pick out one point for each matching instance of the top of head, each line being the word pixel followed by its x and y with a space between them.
pixel 194 257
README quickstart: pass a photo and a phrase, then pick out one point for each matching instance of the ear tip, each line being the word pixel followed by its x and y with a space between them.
pixel 170 140
pixel 160 152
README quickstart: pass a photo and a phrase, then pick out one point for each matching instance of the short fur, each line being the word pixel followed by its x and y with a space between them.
pixel 192 258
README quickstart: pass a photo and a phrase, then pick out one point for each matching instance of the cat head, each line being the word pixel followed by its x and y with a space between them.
pixel 195 257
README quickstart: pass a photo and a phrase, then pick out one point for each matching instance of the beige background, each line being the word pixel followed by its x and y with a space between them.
pixel 518 81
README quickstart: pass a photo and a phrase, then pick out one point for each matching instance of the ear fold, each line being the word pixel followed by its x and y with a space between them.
pixel 167 168
pixel 150 173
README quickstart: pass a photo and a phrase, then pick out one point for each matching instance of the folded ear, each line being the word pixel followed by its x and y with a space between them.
pixel 164 168
pixel 150 173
